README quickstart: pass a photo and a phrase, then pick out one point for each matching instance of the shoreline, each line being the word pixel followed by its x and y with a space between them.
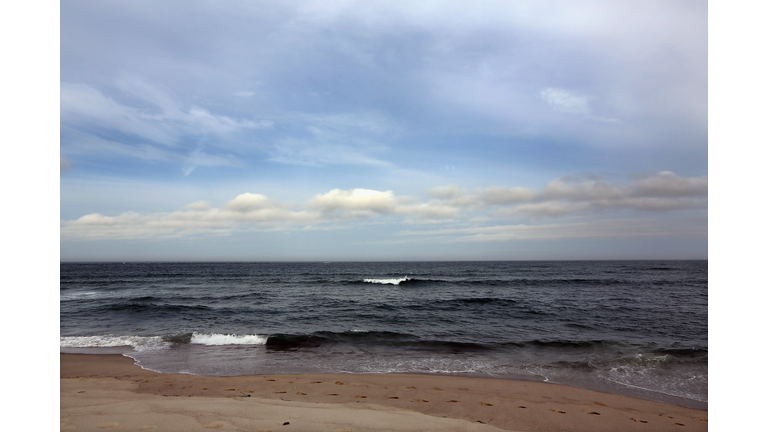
pixel 101 389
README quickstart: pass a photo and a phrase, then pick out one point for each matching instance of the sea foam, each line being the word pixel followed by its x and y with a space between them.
pixel 139 343
pixel 387 281
pixel 227 339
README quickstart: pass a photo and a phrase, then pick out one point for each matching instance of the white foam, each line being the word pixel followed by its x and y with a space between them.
pixel 139 343
pixel 227 339
pixel 387 281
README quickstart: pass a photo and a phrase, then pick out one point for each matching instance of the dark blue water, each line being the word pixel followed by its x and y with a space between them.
pixel 630 327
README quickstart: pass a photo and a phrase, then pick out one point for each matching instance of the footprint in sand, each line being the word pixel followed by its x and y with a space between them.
pixel 638 420
pixel 421 400
pixel 215 425
pixel 301 394
pixel 393 397
pixel 411 388
pixel 270 379
pixel 230 390
pixel 521 406
pixel 677 424
pixel 316 382
pixel 593 413
pixel 702 419
pixel 203 388
pixel 558 411
pixel 437 388
pixel 280 392
pixel 361 397
pixel 599 403
pixel 339 383
pixel 333 394
pixel 452 400
pixel 486 404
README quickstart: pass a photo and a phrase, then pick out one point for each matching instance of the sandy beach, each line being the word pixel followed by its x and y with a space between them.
pixel 104 392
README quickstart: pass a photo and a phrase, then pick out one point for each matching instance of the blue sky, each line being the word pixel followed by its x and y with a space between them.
pixel 342 130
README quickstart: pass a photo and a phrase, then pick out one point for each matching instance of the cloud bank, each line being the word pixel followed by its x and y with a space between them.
pixel 660 193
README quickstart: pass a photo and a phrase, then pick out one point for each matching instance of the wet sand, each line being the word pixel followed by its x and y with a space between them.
pixel 109 392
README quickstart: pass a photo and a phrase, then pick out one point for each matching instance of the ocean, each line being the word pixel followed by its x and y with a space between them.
pixel 637 328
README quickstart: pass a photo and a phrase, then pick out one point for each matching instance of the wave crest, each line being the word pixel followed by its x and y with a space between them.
pixel 227 339
pixel 388 281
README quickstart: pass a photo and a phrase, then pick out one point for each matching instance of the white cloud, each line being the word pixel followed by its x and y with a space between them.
pixel 81 144
pixel 155 117
pixel 361 200
pixel 249 202
pixel 662 192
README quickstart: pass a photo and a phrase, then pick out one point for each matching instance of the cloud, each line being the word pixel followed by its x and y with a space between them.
pixel 148 125
pixel 690 227
pixel 333 139
pixel 364 201
pixel 248 202
pixel 295 151
pixel 85 145
pixel 668 184
pixel 664 191
pixel 156 117
pixel 659 193
pixel 572 103
pixel 565 101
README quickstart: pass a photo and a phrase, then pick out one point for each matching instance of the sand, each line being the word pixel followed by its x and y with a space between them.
pixel 109 392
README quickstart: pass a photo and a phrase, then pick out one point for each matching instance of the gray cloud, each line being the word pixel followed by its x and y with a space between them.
pixel 690 227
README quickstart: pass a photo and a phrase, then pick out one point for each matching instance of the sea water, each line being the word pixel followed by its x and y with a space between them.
pixel 637 328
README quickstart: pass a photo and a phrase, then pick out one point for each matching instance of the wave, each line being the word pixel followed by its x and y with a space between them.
pixel 521 282
pixel 227 339
pixel 217 339
pixel 612 353
pixel 139 343
pixel 410 281
pixel 387 281
pixel 140 306
pixel 369 338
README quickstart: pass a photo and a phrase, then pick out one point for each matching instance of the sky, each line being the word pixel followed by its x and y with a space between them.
pixel 367 130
